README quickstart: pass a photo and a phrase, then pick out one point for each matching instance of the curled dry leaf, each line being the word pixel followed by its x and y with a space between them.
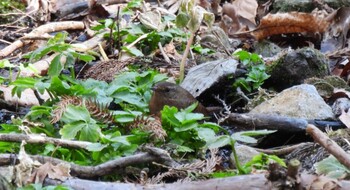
pixel 345 118
pixel 286 23
pixel 246 9
pixel 340 25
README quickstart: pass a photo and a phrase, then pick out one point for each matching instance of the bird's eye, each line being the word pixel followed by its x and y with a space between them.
pixel 167 89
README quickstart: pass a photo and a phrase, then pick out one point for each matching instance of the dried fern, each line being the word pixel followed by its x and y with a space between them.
pixel 96 110
pixel 154 126
pixel 188 172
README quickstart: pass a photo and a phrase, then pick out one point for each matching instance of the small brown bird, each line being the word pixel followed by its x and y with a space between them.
pixel 166 93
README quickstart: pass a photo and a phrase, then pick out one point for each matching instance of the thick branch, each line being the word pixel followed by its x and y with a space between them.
pixel 276 122
pixel 90 171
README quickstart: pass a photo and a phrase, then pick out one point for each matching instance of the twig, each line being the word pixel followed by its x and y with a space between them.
pixel 47 28
pixel 39 139
pixel 281 151
pixel 106 168
pixel 241 93
pixel 327 143
pixel 166 58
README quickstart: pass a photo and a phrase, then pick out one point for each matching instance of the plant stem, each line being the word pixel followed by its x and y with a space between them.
pixel 232 143
pixel 184 57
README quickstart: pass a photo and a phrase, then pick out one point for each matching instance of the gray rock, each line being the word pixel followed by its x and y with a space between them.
pixel 244 153
pixel 302 101
pixel 340 105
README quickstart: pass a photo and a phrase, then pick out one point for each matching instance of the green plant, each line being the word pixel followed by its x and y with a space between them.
pixel 227 139
pixel 262 161
pixel 191 16
pixel 65 55
pixel 183 129
pixel 40 187
pixel 256 71
pixel 332 168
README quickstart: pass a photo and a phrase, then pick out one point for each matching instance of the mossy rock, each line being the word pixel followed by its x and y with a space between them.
pixel 296 66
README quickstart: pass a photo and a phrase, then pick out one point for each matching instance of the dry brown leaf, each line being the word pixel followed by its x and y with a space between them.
pixel 60 172
pixel 246 9
pixel 324 183
pixel 345 118
pixel 171 52
pixel 285 23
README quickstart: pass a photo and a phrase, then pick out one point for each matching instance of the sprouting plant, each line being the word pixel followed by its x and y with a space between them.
pixel 191 16
pixel 256 71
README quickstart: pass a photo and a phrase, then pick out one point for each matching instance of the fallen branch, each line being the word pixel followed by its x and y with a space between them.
pixel 276 122
pixel 47 28
pixel 281 151
pixel 331 146
pixel 257 181
pixel 103 169
pixel 39 139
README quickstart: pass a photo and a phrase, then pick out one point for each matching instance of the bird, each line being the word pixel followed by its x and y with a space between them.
pixel 166 93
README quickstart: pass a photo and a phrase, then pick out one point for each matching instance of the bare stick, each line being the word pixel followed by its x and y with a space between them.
pixel 35 139
pixel 47 28
pixel 327 143
pixel 109 167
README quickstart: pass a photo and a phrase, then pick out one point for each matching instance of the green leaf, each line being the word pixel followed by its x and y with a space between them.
pixel 185 117
pixel 59 86
pixel 96 146
pixel 133 51
pixel 257 132
pixel 182 20
pixel 331 167
pixel 76 113
pixel 90 132
pixel 83 57
pixel 184 149
pixel 219 142
pixel 56 66
pixel 4 63
pixel 70 130
pixel 242 138
pixel 206 134
pixel 186 127
pixel 126 116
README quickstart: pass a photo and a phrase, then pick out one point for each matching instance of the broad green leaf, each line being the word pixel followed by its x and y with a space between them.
pixel 133 51
pixel 56 66
pixel 90 132
pixel 96 146
pixel 186 127
pixel 83 57
pixel 191 107
pixel 59 86
pixel 184 117
pixel 121 139
pixel 182 20
pixel 331 167
pixel 4 63
pixel 70 130
pixel 219 142
pixel 76 113
pixel 242 138
pixel 211 125
pixel 206 134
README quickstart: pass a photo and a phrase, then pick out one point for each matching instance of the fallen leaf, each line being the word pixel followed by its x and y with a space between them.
pixel 345 118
